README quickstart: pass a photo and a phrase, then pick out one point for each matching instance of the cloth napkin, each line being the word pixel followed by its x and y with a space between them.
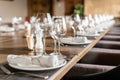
pixel 6 28
pixel 80 39
pixel 91 30
pixel 33 61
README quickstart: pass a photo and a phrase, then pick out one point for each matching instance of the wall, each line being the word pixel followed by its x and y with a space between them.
pixel 102 7
pixel 9 9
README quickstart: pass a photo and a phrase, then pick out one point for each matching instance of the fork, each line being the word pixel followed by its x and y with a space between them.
pixel 8 72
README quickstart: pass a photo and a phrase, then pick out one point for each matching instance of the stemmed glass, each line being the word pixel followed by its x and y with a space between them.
pixel 62 31
pixel 44 25
pixel 57 30
pixel 77 21
pixel 53 33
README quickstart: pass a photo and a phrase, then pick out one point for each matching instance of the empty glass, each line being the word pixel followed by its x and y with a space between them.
pixel 58 30
pixel 44 24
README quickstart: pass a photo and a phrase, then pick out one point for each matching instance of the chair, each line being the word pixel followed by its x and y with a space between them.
pixel 111 37
pixel 102 56
pixel 113 74
pixel 113 33
pixel 81 71
pixel 108 44
pixel 114 30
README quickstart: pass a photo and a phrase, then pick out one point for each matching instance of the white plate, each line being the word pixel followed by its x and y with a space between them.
pixel 90 35
pixel 38 68
pixel 70 41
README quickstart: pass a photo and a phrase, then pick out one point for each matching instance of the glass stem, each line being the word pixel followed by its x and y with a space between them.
pixel 74 32
pixel 59 47
pixel 55 46
pixel 44 45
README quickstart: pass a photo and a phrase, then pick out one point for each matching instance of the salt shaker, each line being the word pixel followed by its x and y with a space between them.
pixel 39 41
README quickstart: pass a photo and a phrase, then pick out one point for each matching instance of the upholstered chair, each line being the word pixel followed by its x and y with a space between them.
pixel 92 72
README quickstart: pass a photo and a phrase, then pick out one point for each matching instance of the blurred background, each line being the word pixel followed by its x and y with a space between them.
pixel 28 8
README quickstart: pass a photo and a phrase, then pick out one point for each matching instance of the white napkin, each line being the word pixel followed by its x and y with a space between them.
pixel 91 30
pixel 49 60
pixel 33 61
pixel 22 61
pixel 6 28
pixel 81 39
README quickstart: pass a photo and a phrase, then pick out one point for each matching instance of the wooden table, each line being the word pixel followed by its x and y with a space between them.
pixel 15 43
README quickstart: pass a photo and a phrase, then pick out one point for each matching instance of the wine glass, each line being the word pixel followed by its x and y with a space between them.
pixel 62 31
pixel 58 30
pixel 54 34
pixel 44 25
pixel 76 23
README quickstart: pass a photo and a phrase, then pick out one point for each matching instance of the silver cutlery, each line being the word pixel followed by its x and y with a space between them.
pixel 8 72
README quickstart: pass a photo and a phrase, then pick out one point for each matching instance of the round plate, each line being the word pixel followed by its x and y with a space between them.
pixel 70 41
pixel 90 35
pixel 38 68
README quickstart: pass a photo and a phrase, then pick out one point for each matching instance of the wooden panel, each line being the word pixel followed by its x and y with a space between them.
pixel 102 7
pixel 70 6
pixel 35 6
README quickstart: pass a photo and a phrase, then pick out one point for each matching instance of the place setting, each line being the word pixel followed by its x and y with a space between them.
pixel 77 38
pixel 40 60
pixel 35 63
pixel 38 64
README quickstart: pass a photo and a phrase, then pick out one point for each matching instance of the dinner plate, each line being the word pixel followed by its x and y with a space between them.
pixel 89 35
pixel 70 41
pixel 62 62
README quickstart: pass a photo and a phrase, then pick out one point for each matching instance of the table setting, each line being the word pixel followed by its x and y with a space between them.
pixel 41 63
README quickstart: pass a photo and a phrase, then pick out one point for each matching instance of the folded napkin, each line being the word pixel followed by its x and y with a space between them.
pixel 33 61
pixel 49 60
pixel 20 60
pixel 6 28
pixel 90 30
pixel 80 39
